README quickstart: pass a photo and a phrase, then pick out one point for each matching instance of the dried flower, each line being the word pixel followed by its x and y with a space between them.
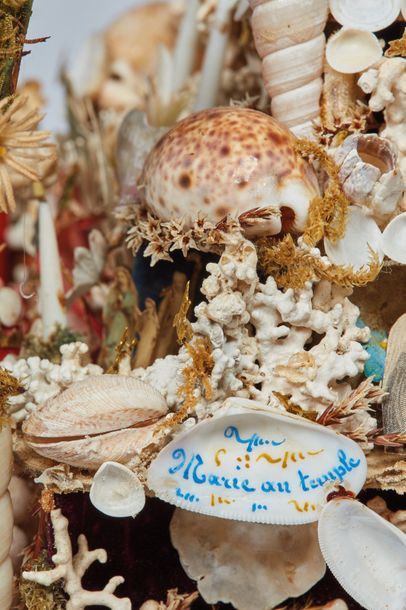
pixel 22 149
pixel 361 398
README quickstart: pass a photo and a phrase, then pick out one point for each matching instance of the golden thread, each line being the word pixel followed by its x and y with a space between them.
pixel 180 321
pixel 47 500
pixel 123 348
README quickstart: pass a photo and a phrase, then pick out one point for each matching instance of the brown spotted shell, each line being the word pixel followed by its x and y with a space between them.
pixel 228 161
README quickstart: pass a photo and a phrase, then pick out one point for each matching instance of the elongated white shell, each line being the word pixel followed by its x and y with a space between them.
pixel 94 406
pixel 117 491
pixel 352 249
pixel 350 51
pixel 259 466
pixel 394 239
pixel 366 554
pixel 371 15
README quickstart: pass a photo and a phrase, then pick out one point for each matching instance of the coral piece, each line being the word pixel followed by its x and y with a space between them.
pixel 24 157
pixel 248 564
pixel 71 568
pixel 174 601
pixel 42 379
pixel 386 84
pixel 397 518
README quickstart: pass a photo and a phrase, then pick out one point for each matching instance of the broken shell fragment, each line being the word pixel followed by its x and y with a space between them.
pixel 394 239
pixel 366 554
pixel 362 236
pixel 371 15
pixel 256 465
pixel 117 491
pixel 229 161
pixel 369 173
pixel 350 50
pixel 109 417
pixel 249 565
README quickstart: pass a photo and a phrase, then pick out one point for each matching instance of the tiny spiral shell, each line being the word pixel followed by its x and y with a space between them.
pixel 289 39
pixel 6 519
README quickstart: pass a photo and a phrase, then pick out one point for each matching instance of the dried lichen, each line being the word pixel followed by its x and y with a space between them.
pixel 9 386
pixel 397 48
pixel 327 214
pixel 39 597
pixel 293 266
pixel 50 348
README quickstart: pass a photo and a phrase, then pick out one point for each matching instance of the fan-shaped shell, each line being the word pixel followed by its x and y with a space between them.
pixel 353 249
pixel 228 160
pixel 117 491
pixel 96 405
pixel 394 239
pixel 256 465
pixel 350 50
pixel 371 15
pixel 366 554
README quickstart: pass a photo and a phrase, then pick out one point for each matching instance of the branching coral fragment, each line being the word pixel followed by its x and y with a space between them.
pixel 72 568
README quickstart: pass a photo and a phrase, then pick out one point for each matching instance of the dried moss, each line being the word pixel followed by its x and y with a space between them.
pixel 50 348
pixel 38 597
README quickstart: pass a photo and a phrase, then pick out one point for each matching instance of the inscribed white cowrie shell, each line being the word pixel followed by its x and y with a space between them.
pixel 256 465
pixel 117 491
pixel 366 554
pixel 371 15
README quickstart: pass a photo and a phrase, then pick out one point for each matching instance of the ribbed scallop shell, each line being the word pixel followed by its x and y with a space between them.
pixel 366 554
pixel 256 465
pixel 96 405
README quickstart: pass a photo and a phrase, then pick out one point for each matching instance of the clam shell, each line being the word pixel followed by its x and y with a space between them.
pixel 371 15
pixel 96 405
pixel 352 249
pixel 350 50
pixel 366 554
pixel 394 239
pixel 228 161
pixel 256 465
pixel 116 491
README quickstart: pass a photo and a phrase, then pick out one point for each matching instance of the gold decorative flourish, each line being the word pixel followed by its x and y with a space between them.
pixel 9 386
pixel 47 500
pixel 22 149
pixel 302 507
pixel 180 321
pixel 292 266
pixel 288 455
pixel 122 349
pixel 397 48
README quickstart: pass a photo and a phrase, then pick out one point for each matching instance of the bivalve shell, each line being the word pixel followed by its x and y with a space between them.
pixel 116 491
pixel 366 554
pixel 371 15
pixel 109 417
pixel 256 465
pixel 350 50
pixel 394 239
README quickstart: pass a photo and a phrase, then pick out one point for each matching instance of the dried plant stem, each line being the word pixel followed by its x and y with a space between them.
pixel 14 19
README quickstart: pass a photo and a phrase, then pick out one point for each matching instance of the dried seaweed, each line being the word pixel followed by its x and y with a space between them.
pixel 9 386
pixel 38 597
pixel 50 348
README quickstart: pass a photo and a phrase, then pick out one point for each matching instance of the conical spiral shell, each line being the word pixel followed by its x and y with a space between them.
pixel 289 39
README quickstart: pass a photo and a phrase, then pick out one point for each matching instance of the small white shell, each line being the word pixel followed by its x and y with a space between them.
pixel 350 51
pixel 371 15
pixel 352 249
pixel 117 491
pixel 394 239
pixel 256 465
pixel 366 554
pixel 10 306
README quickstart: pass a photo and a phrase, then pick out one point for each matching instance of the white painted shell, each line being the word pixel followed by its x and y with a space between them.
pixel 371 15
pixel 256 465
pixel 96 420
pixel 361 234
pixel 366 554
pixel 394 239
pixel 350 50
pixel 117 491
pixel 246 564
pixel 289 39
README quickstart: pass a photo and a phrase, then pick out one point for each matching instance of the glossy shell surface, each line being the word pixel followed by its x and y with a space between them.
pixel 366 554
pixel 352 50
pixel 116 491
pixel 371 15
pixel 258 466
pixel 394 239
pixel 227 161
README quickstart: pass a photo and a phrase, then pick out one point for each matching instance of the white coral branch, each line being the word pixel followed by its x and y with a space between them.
pixel 71 568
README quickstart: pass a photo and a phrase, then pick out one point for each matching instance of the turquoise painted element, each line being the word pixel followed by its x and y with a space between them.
pixel 376 348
